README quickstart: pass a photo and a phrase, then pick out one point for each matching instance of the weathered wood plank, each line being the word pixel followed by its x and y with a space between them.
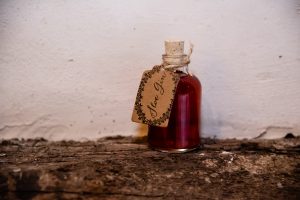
pixel 125 168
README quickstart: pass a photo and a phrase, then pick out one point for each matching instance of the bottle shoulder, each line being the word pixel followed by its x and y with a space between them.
pixel 188 84
pixel 190 80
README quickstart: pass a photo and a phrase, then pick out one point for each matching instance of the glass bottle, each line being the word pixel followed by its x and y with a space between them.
pixel 183 131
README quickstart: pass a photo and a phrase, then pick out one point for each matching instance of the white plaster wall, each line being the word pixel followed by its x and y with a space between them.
pixel 70 69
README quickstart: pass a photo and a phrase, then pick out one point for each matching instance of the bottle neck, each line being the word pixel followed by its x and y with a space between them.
pixel 175 61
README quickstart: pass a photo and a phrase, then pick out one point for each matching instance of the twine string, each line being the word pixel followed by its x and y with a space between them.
pixel 184 63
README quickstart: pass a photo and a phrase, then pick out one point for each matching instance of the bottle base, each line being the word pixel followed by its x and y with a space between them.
pixel 175 150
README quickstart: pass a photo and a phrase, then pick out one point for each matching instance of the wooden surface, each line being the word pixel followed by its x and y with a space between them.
pixel 125 168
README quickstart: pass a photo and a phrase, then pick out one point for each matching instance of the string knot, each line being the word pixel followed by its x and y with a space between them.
pixel 177 61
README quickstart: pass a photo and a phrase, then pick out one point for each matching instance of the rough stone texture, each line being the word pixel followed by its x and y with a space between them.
pixel 125 168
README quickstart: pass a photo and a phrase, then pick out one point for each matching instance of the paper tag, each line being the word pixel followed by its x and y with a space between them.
pixel 155 97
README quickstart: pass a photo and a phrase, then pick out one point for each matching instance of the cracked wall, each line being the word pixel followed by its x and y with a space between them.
pixel 74 74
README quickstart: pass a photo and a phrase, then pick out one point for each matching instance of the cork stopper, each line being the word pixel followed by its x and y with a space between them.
pixel 174 48
pixel 174 53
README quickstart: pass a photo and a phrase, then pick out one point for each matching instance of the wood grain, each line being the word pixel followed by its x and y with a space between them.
pixel 125 168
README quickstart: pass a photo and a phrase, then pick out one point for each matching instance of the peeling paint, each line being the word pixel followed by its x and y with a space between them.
pixel 10 127
pixel 272 132
pixel 41 127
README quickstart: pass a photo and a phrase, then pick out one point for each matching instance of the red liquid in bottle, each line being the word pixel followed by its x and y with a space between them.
pixel 183 131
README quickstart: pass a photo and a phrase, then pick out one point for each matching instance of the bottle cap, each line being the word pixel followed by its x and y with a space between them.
pixel 174 53
pixel 174 48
